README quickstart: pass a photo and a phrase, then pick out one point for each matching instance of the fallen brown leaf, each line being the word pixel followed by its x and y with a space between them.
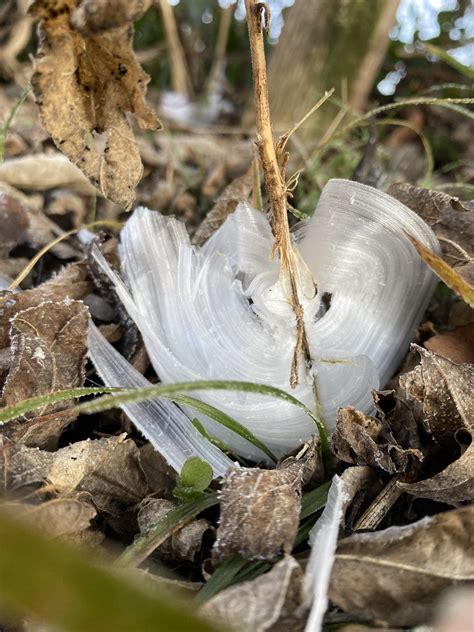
pixel 14 221
pixel 259 512
pixel 396 575
pixel 85 84
pixel 427 203
pixel 456 345
pixel 268 602
pixel 48 346
pixel 108 469
pixel 72 282
pixel 182 544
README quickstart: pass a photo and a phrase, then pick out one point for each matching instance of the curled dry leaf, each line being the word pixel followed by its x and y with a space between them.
pixel 48 347
pixel 237 191
pixel 72 282
pixel 444 394
pixel 259 512
pixel 453 485
pixel 182 544
pixel 396 575
pixel 85 84
pixel 271 601
pixel 364 440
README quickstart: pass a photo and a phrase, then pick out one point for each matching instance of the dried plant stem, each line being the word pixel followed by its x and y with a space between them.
pixel 273 175
pixel 180 79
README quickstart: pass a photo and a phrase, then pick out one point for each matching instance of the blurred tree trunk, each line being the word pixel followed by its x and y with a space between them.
pixel 322 43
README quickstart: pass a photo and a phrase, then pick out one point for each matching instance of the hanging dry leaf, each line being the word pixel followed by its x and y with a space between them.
pixel 259 512
pixel 72 282
pixel 237 191
pixel 396 575
pixel 48 346
pixel 84 86
pixel 364 440
pixel 445 272
pixel 182 544
pixel 268 602
pixel 444 393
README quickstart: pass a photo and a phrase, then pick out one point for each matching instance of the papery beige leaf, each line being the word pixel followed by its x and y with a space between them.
pixel 397 575
pixel 268 602
pixel 84 86
pixel 108 469
pixel 259 512
pixel 184 543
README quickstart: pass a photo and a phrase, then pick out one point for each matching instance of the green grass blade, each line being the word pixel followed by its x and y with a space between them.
pixel 169 391
pixel 165 391
pixel 224 420
pixel 221 578
pixel 143 546
pixel 46 580
pixel 9 120
pixel 450 60
pixel 34 403
pixel 314 500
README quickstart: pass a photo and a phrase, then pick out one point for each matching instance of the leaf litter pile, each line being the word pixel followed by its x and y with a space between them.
pixel 369 527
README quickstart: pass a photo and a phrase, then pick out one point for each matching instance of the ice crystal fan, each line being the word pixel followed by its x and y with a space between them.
pixel 222 312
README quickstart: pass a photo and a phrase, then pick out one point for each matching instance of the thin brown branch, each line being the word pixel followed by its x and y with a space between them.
pixel 258 17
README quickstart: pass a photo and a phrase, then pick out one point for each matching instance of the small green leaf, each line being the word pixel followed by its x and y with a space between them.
pixel 195 477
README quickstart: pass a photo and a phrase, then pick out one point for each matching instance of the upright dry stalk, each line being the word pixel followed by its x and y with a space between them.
pixel 179 73
pixel 273 174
